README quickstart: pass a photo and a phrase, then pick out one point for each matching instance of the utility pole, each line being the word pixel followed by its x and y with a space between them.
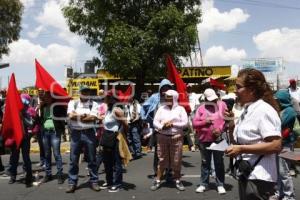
pixel 200 51
pixel 197 49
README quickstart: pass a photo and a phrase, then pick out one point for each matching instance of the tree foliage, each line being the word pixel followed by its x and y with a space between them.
pixel 132 36
pixel 10 23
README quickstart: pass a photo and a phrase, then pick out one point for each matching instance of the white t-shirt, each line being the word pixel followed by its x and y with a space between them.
pixel 194 100
pixel 89 107
pixel 261 121
pixel 177 115
pixel 295 93
pixel 129 110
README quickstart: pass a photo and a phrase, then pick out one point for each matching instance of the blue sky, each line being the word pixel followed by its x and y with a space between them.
pixel 232 30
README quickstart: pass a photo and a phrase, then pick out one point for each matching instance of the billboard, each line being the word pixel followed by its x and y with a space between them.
pixel 264 64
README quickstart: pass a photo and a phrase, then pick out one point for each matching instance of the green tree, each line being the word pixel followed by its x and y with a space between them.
pixel 132 36
pixel 10 23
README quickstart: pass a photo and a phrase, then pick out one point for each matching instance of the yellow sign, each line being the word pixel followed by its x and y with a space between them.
pixel 186 72
pixel 92 83
pixel 31 92
pixel 204 72
pixel 74 85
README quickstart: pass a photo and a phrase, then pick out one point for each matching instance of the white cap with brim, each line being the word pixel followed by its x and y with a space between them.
pixel 210 94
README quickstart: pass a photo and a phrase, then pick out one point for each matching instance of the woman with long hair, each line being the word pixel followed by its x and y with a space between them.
pixel 114 123
pixel 257 136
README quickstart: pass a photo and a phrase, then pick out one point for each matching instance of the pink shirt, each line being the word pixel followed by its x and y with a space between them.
pixel 204 130
pixel 177 115
pixel 101 111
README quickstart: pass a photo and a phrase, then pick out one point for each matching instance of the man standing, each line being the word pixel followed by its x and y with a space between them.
pixel 295 96
pixel 82 114
pixel 133 118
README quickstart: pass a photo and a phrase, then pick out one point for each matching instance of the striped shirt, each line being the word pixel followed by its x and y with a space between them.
pixel 260 121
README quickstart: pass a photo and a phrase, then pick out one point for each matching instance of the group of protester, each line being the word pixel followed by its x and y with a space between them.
pixel 256 122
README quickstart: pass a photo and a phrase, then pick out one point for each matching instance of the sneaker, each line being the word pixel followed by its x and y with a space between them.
pixel 292 172
pixel 28 182
pixel 200 189
pixel 179 185
pixel 22 175
pixel 221 190
pixel 47 178
pixel 40 164
pixel 114 189
pixel 193 149
pixel 71 189
pixel 60 179
pixel 155 186
pixel 95 187
pixel 104 186
pixel 12 180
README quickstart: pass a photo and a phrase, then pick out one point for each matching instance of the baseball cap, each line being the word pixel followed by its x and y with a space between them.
pixel 83 88
pixel 210 94
pixel 292 81
pixel 25 98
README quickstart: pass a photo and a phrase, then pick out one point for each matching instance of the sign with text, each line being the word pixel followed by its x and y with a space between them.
pixel 264 64
pixel 204 72
pixel 92 83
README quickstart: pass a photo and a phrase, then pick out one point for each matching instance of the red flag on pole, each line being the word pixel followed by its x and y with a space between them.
pixel 174 77
pixel 12 128
pixel 46 82
pixel 124 97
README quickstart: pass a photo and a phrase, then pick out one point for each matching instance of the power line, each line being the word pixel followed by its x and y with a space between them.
pixel 260 4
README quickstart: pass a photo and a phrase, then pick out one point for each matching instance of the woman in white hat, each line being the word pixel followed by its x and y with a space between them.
pixel 209 124
pixel 169 121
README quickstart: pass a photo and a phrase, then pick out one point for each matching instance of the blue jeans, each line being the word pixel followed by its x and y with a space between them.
pixel 113 166
pixel 78 139
pixel 206 164
pixel 285 181
pixel 52 139
pixel 15 154
pixel 134 140
pixel 41 146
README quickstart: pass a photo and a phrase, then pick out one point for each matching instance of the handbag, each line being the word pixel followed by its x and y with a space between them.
pixel 109 139
pixel 244 168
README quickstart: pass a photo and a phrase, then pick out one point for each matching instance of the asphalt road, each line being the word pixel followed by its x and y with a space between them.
pixel 136 186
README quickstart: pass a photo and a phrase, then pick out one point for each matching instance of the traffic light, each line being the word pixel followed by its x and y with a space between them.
pixel 4 65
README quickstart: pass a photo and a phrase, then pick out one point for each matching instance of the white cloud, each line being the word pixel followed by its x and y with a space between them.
pixel 214 20
pixel 283 43
pixel 217 55
pixel 36 32
pixel 53 58
pixel 27 3
pixel 52 16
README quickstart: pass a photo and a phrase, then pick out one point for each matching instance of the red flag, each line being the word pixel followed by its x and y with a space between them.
pixel 12 128
pixel 46 82
pixel 127 94
pixel 174 77
pixel 216 84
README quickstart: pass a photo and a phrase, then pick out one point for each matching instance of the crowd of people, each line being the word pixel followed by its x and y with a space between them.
pixel 255 121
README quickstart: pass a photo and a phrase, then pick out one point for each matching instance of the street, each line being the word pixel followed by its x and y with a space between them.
pixel 137 182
